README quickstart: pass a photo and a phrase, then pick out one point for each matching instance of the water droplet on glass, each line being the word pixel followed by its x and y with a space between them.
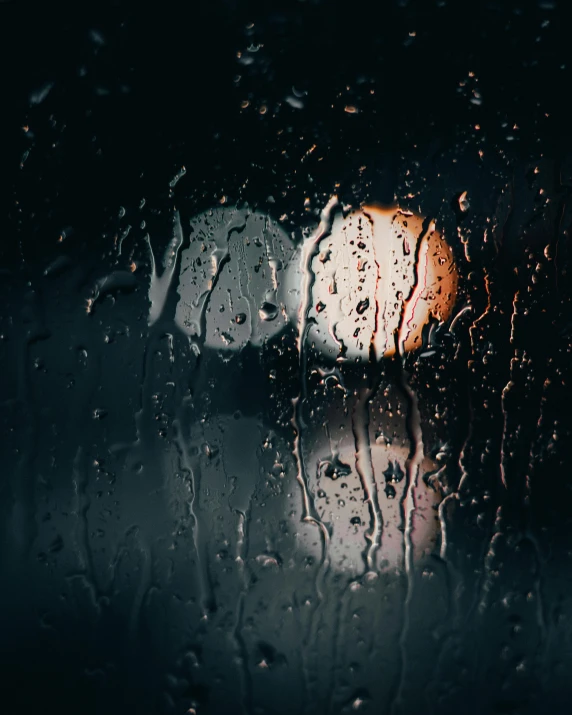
pixel 333 468
pixel 268 311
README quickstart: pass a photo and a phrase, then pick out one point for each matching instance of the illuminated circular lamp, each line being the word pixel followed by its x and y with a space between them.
pixel 377 279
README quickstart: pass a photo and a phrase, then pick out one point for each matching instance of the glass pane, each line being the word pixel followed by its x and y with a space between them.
pixel 285 342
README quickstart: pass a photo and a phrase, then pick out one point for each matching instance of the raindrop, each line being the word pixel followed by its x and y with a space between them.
pixel 393 474
pixel 390 491
pixel 333 468
pixel 268 311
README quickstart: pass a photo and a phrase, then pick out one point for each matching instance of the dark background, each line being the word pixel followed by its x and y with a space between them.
pixel 101 107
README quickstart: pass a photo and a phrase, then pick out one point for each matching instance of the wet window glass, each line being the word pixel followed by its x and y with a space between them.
pixel 285 358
